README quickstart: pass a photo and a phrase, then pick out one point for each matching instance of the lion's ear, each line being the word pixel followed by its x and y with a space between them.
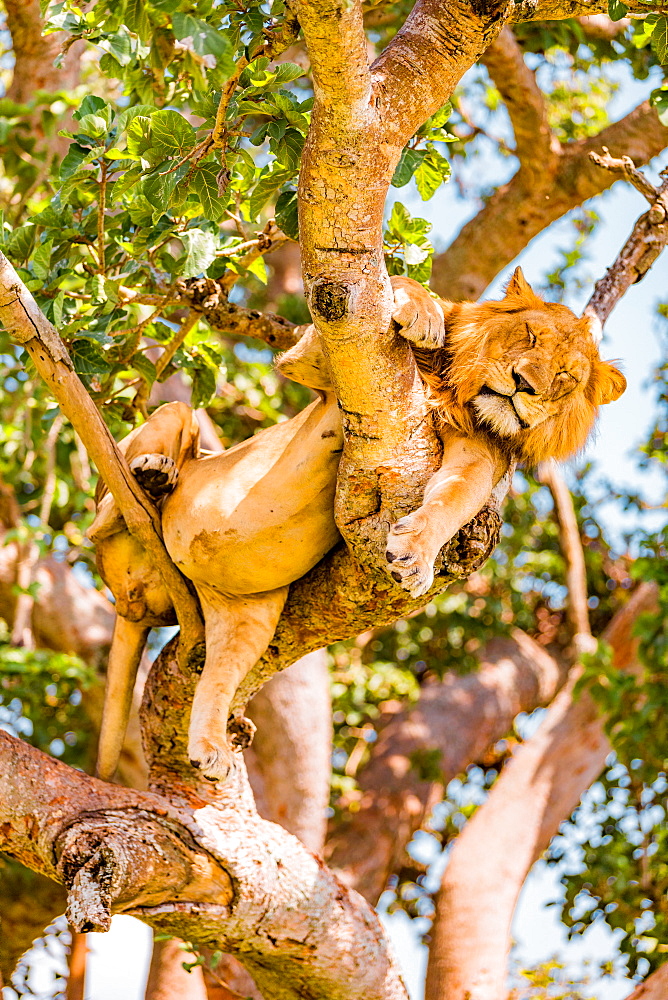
pixel 519 288
pixel 609 383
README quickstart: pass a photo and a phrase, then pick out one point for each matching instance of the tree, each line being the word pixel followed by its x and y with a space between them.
pixel 152 228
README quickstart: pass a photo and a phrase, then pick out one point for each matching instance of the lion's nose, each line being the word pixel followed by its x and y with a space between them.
pixel 521 384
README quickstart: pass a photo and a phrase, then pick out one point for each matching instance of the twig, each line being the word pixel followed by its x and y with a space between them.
pixel 625 166
pixel 646 242
pixel 571 547
pixel 186 326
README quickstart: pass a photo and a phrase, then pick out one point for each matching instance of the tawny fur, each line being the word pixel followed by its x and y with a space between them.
pixel 519 379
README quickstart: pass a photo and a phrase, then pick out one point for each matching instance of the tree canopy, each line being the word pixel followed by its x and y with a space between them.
pixel 184 185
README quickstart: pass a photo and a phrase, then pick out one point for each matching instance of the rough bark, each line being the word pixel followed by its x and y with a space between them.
pixel 206 869
pixel 538 789
pixel 461 717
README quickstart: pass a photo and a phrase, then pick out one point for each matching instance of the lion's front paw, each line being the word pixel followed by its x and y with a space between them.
pixel 419 316
pixel 409 555
pixel 215 762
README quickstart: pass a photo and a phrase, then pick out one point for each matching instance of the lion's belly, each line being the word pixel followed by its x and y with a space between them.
pixel 262 514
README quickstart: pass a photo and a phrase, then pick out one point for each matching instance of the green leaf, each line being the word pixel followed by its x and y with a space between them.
pixel 659 40
pixel 258 267
pixel 286 213
pixel 20 243
pixel 200 251
pixel 145 367
pixel 58 304
pixel 74 158
pixel 408 163
pixel 288 149
pixel 268 183
pixel 88 359
pixel 205 185
pixel 617 10
pixel 136 18
pixel 204 385
pixel 171 133
pixel 124 119
pixel 158 189
pixel 119 46
pixel 205 40
pixel 41 259
pixel 287 72
pixel 431 173
pixel 659 100
pixel 92 105
pixel 92 125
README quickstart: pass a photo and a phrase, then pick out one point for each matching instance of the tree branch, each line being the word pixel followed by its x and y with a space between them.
pixel 646 242
pixel 518 211
pixel 535 147
pixel 571 547
pixel 209 298
pixel 457 719
pixel 654 988
pixel 538 789
pixel 29 327
pixel 218 876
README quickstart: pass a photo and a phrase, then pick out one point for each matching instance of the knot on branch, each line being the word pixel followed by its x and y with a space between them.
pixel 331 300
pixel 91 870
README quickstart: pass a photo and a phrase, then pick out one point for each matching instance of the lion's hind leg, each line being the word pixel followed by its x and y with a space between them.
pixel 238 630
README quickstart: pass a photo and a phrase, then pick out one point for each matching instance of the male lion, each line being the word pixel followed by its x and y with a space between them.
pixel 514 380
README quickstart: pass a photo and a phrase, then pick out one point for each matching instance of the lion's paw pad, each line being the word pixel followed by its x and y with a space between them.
pixel 215 763
pixel 156 474
pixel 409 566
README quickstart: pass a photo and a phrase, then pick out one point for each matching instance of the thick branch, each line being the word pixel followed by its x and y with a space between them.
pixel 35 54
pixel 538 790
pixel 459 719
pixel 654 988
pixel 524 101
pixel 28 326
pixel 425 60
pixel 518 211
pixel 218 876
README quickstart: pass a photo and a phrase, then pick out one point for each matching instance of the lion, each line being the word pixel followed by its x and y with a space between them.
pixel 518 379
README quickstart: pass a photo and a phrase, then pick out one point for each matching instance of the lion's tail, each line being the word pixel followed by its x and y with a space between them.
pixel 127 646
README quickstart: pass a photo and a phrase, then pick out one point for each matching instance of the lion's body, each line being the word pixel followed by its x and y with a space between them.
pixel 271 496
pixel 518 379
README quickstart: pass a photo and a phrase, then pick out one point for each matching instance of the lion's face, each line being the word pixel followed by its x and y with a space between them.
pixel 528 371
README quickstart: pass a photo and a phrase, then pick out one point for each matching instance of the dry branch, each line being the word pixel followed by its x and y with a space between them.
pixel 646 242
